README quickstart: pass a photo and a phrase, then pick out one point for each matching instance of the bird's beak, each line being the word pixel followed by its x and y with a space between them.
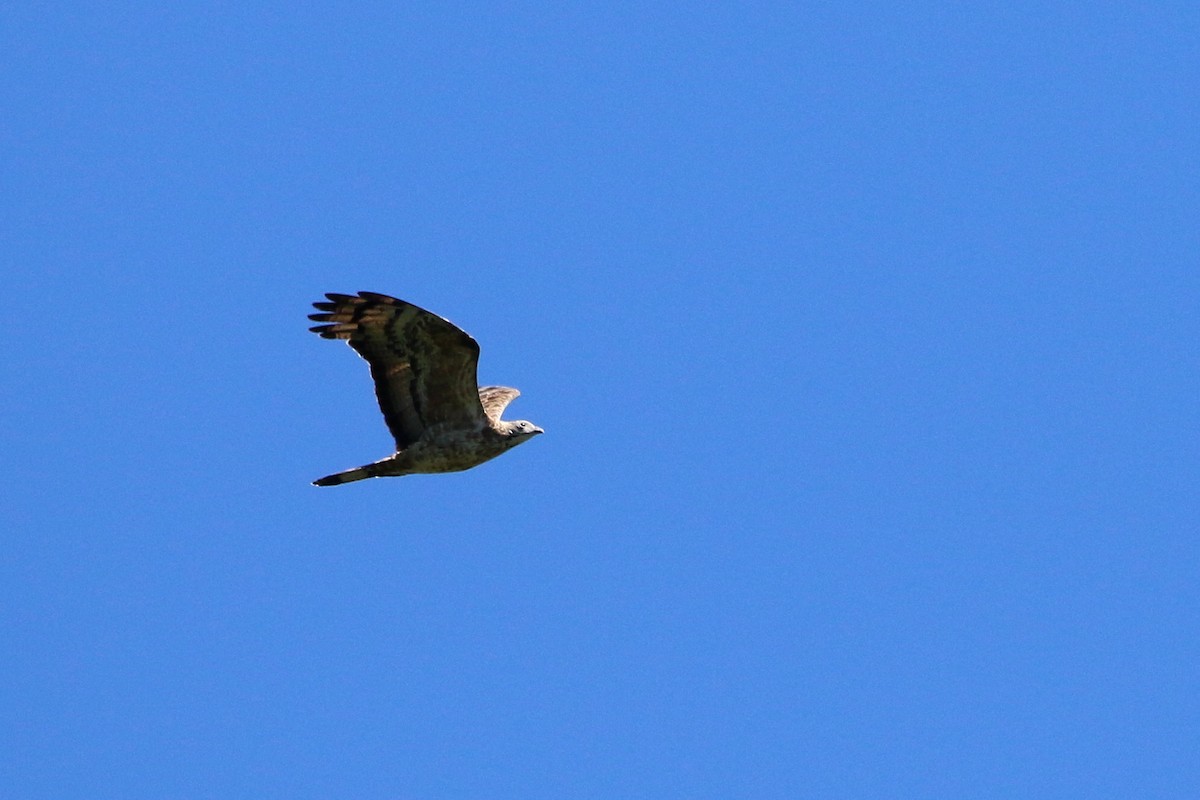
pixel 536 429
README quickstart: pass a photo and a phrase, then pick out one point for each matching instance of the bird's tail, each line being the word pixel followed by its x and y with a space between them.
pixel 373 470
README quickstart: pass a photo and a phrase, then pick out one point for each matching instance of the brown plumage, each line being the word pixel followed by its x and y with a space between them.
pixel 424 372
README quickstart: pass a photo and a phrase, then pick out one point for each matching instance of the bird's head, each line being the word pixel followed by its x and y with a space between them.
pixel 522 429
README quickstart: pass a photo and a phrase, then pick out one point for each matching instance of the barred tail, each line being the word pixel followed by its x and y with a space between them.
pixel 357 474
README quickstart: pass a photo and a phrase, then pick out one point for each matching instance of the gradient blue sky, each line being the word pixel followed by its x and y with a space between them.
pixel 864 337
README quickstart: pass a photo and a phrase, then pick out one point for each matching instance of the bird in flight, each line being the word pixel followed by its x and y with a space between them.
pixel 424 372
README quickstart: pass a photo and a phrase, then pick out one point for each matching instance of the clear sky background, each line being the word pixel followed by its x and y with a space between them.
pixel 865 338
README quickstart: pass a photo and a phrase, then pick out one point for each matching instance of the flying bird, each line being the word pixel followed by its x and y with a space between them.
pixel 424 372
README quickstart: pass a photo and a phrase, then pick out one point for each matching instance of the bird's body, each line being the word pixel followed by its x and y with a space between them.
pixel 449 451
pixel 424 371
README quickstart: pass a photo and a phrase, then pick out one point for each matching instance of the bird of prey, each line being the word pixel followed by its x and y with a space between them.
pixel 424 372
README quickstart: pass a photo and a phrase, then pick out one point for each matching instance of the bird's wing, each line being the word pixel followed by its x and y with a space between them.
pixel 495 399
pixel 423 365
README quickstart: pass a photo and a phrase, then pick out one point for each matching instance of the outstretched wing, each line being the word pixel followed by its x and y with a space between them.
pixel 423 366
pixel 495 399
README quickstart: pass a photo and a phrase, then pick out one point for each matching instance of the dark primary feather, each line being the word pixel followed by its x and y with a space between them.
pixel 423 365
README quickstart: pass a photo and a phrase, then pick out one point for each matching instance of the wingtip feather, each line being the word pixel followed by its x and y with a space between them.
pixel 376 297
pixel 333 331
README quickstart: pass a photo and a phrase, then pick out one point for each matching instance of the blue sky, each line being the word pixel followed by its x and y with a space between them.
pixel 864 337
